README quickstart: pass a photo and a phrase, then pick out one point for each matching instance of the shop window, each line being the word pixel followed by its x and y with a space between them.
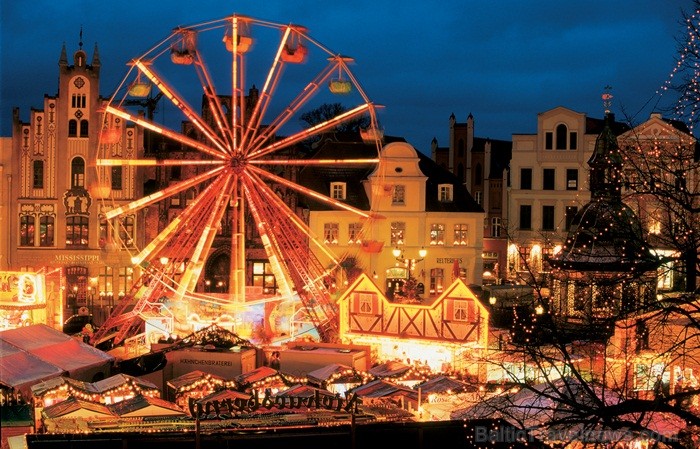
pixel 437 281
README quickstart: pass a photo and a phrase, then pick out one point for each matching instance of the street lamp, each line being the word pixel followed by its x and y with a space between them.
pixel 410 287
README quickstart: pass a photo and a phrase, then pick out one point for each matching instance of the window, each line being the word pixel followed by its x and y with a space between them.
pixel 495 226
pixel 464 311
pixel 123 280
pixel 263 277
pixel 525 217
pixel 460 310
pixel 175 200
pixel 72 128
pixel 38 174
pixel 548 179
pixel 526 178
pixel 445 193
pixel 26 230
pixel 573 140
pixel 78 101
pixel 104 283
pixel 366 303
pixel 570 213
pixel 117 177
pixel 175 172
pixel 126 231
pixel 190 196
pixel 437 280
pixel 46 230
pixel 461 234
pixel 571 179
pixel 548 218
pixel 77 232
pixel 548 140
pixel 561 136
pixel 354 233
pixel 398 196
pixel 437 234
pixel 338 190
pixel 330 233
pixel 77 172
pixel 479 197
pixel 84 128
pixel 398 233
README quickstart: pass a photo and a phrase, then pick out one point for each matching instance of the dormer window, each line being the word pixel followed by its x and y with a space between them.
pixel 445 193
pixel 338 190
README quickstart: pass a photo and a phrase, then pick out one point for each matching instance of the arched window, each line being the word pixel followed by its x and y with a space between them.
pixel 561 132
pixel 72 128
pixel 477 175
pixel 77 172
pixel 84 128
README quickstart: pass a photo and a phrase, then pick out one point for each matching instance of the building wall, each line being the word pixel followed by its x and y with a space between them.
pixel 418 224
pixel 48 194
pixel 530 152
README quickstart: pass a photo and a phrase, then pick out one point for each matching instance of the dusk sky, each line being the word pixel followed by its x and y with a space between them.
pixel 504 61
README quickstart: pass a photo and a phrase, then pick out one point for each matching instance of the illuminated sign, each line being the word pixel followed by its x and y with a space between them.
pixel 397 273
pixel 19 289
pixel 231 407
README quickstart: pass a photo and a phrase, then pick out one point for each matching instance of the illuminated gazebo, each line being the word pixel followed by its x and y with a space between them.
pixel 605 269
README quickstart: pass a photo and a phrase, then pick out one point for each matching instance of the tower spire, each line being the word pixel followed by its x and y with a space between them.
pixel 607 99
pixel 80 42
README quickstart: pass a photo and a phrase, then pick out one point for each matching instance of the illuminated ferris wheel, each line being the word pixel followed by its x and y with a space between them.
pixel 238 146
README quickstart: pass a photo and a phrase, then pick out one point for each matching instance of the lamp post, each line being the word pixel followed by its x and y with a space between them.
pixel 410 287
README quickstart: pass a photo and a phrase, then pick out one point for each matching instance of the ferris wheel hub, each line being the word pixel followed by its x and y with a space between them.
pixel 238 163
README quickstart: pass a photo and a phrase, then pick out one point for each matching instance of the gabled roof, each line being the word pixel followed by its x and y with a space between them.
pixel 191 378
pixel 304 391
pixel 73 405
pixel 319 178
pixel 443 385
pixel 145 406
pixel 324 373
pixel 382 389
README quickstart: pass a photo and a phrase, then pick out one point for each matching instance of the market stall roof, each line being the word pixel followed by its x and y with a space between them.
pixel 20 369
pixel 193 377
pixel 145 406
pixel 75 407
pixel 31 354
pixel 444 385
pixel 326 372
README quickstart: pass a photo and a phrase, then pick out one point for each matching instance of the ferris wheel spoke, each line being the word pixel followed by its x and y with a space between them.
pixel 162 194
pixel 312 131
pixel 155 162
pixel 266 236
pixel 268 89
pixel 196 263
pixel 164 131
pixel 334 162
pixel 163 238
pixel 305 95
pixel 287 214
pixel 215 105
pixel 181 104
pixel 308 192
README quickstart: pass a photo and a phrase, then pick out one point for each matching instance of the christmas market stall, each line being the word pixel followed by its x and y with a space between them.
pixel 266 378
pixel 338 378
pixel 194 385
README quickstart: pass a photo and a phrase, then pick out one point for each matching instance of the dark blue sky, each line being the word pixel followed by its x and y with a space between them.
pixel 504 61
